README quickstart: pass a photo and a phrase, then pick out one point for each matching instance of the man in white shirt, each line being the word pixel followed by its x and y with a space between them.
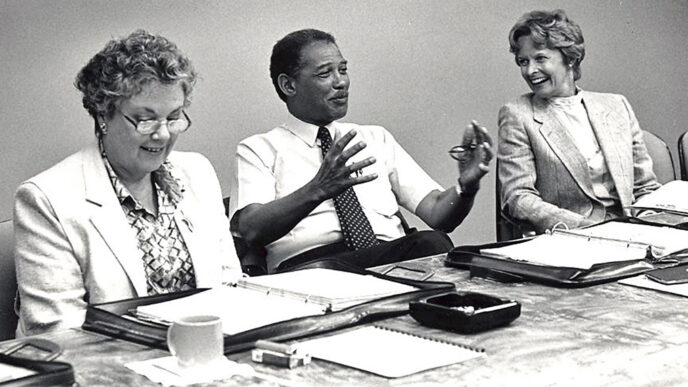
pixel 296 182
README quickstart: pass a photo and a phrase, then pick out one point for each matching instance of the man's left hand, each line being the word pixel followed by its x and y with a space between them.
pixel 474 163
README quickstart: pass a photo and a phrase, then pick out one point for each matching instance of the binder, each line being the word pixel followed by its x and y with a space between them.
pixel 113 318
pixel 35 372
pixel 482 261
pixel 389 352
pixel 277 297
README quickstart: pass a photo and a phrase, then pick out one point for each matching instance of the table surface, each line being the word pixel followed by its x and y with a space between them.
pixel 604 335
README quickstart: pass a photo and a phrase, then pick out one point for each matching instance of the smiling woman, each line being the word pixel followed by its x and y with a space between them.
pixel 566 155
pixel 127 216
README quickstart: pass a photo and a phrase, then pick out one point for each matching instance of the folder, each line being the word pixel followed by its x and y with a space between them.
pixel 114 318
pixel 274 298
pixel 576 258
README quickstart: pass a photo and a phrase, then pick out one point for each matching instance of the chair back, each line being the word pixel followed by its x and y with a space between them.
pixel 683 155
pixel 662 162
pixel 507 227
pixel 8 281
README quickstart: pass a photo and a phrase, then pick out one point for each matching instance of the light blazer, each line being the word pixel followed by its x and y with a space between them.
pixel 74 246
pixel 544 178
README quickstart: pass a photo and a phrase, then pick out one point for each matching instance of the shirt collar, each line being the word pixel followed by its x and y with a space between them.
pixel 163 178
pixel 308 133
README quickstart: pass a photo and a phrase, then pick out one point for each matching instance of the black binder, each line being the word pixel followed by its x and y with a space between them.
pixel 46 373
pixel 480 265
pixel 109 318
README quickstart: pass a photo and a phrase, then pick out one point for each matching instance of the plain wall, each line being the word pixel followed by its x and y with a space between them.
pixel 422 69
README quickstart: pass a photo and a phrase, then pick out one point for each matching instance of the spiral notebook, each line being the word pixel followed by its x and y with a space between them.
pixel 388 352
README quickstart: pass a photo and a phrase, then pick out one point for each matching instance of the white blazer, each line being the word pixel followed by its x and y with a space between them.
pixel 74 246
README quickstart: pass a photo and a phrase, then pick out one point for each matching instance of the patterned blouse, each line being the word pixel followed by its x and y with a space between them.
pixel 164 254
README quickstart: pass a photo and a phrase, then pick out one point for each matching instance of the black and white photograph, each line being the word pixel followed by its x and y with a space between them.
pixel 358 193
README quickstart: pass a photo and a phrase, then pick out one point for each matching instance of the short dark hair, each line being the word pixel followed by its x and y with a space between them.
pixel 286 53
pixel 553 30
pixel 124 66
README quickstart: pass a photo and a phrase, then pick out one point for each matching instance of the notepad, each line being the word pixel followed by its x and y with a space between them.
pixel 259 301
pixel 605 243
pixel 388 352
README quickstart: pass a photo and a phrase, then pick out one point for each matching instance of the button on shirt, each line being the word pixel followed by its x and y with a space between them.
pixel 164 255
pixel 275 164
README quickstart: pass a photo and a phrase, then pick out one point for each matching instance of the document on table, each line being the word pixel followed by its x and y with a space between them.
pixel 240 309
pixel 333 289
pixel 258 301
pixel 563 250
pixel 10 372
pixel 641 281
pixel 604 243
pixel 663 241
pixel 670 197
pixel 387 352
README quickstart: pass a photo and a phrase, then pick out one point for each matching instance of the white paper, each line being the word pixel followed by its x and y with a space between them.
pixel 663 240
pixel 563 250
pixel 669 197
pixel 166 371
pixel 9 372
pixel 338 288
pixel 387 353
pixel 643 282
pixel 240 309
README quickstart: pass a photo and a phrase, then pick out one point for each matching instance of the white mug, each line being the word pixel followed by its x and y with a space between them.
pixel 196 341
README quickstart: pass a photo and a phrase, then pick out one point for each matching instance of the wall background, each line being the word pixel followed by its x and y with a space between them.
pixel 423 69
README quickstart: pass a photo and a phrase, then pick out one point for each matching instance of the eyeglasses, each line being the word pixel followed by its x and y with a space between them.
pixel 175 126
pixel 460 152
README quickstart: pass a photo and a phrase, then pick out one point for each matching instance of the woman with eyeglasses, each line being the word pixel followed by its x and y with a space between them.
pixel 126 217
pixel 566 155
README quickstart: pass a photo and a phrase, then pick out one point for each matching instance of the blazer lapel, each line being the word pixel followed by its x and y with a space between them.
pixel 608 135
pixel 563 145
pixel 109 219
pixel 186 219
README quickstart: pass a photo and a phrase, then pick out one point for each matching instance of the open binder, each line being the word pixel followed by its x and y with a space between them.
pixel 114 318
pixel 276 298
pixel 543 263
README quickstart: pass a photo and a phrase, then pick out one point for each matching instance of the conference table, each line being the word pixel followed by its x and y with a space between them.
pixel 604 335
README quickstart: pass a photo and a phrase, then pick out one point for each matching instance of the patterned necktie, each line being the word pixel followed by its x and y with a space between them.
pixel 355 226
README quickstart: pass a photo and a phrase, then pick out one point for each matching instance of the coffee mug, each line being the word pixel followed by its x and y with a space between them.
pixel 196 341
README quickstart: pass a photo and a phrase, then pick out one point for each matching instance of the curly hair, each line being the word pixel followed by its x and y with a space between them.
pixel 286 53
pixel 121 70
pixel 553 30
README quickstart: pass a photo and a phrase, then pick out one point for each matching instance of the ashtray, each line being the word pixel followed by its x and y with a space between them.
pixel 464 312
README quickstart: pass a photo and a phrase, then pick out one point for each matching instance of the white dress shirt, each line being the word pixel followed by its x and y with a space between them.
pixel 275 164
